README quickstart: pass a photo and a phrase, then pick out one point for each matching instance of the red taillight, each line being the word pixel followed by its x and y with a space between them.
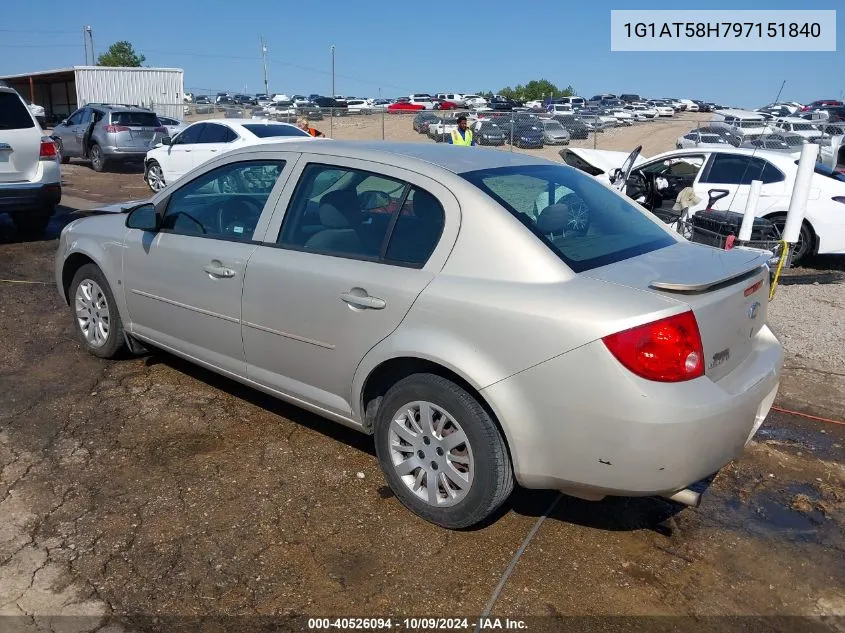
pixel 48 149
pixel 668 350
pixel 112 129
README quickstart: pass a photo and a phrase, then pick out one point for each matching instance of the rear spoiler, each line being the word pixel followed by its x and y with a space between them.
pixel 709 284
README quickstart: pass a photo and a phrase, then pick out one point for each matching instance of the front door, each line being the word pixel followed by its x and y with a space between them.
pixel 180 154
pixel 349 261
pixel 183 284
pixel 73 132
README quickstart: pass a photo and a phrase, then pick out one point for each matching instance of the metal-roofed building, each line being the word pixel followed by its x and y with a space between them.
pixel 64 90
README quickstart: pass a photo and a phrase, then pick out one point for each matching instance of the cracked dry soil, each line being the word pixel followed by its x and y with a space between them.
pixel 147 487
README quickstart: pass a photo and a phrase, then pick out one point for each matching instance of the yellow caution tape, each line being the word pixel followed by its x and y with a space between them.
pixel 784 251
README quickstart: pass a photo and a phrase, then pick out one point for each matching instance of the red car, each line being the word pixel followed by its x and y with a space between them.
pixel 442 104
pixel 821 103
pixel 404 106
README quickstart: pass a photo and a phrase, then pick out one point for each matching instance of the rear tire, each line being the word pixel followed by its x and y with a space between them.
pixel 33 223
pixel 96 321
pixel 806 239
pixel 98 161
pixel 452 485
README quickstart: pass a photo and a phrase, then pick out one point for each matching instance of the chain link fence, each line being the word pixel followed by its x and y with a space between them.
pixel 534 132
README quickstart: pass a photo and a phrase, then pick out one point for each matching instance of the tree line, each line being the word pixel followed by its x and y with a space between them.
pixel 536 89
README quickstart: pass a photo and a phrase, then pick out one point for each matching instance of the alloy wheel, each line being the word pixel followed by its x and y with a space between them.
pixel 155 177
pixel 431 454
pixel 92 312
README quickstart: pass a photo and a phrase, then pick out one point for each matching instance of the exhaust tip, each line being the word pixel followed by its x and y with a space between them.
pixel 687 497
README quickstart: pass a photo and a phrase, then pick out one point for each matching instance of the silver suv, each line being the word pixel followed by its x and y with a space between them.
pixel 106 133
pixel 30 178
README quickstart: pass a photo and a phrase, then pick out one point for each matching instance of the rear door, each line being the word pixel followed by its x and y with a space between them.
pixel 133 130
pixel 214 140
pixel 20 140
pixel 734 173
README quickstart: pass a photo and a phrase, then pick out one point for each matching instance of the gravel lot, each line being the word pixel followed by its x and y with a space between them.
pixel 149 488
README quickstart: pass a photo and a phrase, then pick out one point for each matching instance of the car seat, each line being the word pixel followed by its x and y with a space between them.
pixel 340 217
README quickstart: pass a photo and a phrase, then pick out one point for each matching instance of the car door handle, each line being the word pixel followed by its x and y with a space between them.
pixel 218 270
pixel 363 300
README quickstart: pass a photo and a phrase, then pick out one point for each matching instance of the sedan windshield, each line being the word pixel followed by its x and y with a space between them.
pixel 582 221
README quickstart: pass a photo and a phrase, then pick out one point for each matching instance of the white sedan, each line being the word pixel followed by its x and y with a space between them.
pixel 697 139
pixel 732 169
pixel 202 141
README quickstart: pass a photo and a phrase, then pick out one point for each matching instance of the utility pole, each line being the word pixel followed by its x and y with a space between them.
pixel 333 92
pixel 90 32
pixel 264 61
pixel 85 45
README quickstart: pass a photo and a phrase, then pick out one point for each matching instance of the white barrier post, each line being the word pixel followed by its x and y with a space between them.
pixel 750 211
pixel 800 195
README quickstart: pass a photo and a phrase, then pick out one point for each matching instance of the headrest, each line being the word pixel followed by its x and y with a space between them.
pixel 426 206
pixel 553 219
pixel 344 199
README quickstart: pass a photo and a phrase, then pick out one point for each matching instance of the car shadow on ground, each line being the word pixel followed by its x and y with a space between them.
pixel 61 218
pixel 612 514
pixel 131 167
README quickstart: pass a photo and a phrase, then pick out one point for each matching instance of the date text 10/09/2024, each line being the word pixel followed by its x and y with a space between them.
pixel 417 624
pixel 722 29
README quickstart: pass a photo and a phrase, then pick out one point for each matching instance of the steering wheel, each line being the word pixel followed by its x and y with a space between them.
pixel 639 185
pixel 234 212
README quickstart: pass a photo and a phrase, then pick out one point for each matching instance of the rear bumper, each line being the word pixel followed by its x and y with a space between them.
pixel 18 196
pixel 129 153
pixel 583 424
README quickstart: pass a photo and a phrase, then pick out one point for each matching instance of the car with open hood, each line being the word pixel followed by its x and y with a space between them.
pixel 656 183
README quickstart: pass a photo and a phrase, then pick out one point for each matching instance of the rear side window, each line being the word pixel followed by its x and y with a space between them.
pixel 734 169
pixel 266 130
pixel 135 119
pixel 14 115
pixel 582 221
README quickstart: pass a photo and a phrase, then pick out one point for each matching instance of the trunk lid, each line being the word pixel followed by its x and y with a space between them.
pixel 20 140
pixel 135 129
pixel 726 290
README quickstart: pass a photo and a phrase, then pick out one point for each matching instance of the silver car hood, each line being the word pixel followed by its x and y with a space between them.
pixel 117 207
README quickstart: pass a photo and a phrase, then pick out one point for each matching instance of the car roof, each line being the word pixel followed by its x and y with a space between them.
pixel 772 157
pixel 457 160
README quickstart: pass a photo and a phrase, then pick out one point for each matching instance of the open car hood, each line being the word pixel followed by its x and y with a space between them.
pixel 599 163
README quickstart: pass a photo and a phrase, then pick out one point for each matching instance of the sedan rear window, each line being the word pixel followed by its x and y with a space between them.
pixel 135 119
pixel 585 223
pixel 14 115
pixel 268 130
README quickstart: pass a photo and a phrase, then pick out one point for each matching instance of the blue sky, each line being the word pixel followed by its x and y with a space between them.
pixel 394 48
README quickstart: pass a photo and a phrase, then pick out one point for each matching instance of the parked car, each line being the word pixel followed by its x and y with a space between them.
pixel 773 143
pixel 489 133
pixel 697 139
pixel 331 106
pixel 422 121
pixel 205 140
pixel 797 126
pixel 452 97
pixel 578 128
pixel 30 176
pixel 501 104
pixel 406 105
pixel 732 169
pixel 820 104
pixel 172 126
pixel 622 116
pixel 663 109
pixel 553 132
pixel 559 108
pixel 358 106
pixel 522 319
pixel 105 133
pixel 642 111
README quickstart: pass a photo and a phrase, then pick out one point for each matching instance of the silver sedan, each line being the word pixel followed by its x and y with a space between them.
pixel 488 317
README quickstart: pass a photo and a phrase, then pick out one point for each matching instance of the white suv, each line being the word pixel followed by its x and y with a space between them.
pixel 30 177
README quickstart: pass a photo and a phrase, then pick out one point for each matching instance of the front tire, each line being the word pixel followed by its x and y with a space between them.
pixel 441 452
pixel 155 176
pixel 96 321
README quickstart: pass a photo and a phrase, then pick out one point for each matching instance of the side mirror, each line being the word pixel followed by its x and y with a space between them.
pixel 143 218
pixel 167 140
pixel 63 122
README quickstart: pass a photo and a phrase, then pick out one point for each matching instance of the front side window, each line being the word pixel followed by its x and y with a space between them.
pixel 214 133
pixel 224 203
pixel 76 117
pixel 582 221
pixel 352 213
pixel 190 135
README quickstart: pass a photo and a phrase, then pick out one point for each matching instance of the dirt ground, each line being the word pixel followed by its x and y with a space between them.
pixel 144 493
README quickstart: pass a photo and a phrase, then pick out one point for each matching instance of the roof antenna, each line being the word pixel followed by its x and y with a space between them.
pixel 777 99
